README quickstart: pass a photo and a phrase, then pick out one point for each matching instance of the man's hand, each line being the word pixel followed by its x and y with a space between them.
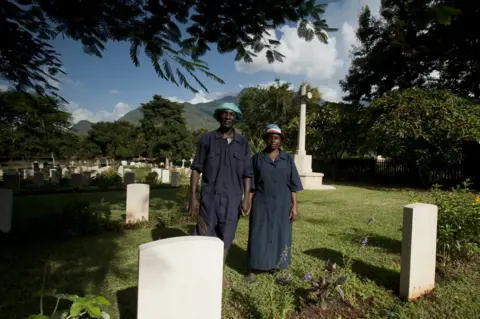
pixel 193 206
pixel 245 207
pixel 293 213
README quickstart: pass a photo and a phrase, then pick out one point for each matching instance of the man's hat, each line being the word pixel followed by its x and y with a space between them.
pixel 230 107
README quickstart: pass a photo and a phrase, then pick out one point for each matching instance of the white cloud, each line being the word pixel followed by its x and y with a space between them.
pixel 79 113
pixel 3 87
pixel 323 65
pixel 201 97
pixel 114 91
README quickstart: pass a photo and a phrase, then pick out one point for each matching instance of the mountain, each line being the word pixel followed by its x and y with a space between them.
pixel 82 127
pixel 197 115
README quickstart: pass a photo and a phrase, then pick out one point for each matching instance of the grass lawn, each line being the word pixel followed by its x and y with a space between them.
pixel 331 226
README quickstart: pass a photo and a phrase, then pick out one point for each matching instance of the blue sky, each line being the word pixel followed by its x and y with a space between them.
pixel 100 89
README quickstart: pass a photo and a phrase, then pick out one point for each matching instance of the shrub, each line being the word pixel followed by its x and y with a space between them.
pixel 458 233
pixel 151 178
pixel 106 179
pixel 167 218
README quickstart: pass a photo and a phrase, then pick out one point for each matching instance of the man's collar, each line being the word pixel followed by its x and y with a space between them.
pixel 236 136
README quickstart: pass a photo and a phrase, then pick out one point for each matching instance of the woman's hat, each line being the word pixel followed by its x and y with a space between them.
pixel 228 106
pixel 273 129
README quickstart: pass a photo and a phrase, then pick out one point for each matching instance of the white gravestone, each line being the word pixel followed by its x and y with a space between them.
pixel 175 179
pixel 38 179
pixel 128 178
pixel 183 163
pixel 169 284
pixel 418 258
pixel 53 176
pixel 124 163
pixel 138 202
pixel 159 173
pixel 28 174
pixel 6 204
pixel 165 176
pixel 76 180
pixel 121 170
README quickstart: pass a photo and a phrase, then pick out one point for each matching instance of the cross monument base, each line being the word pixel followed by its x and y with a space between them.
pixel 309 179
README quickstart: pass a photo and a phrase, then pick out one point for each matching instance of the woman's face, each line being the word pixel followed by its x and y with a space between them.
pixel 274 141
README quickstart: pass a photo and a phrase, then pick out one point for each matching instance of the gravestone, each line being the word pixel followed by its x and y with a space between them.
pixel 121 170
pixel 35 166
pixel 124 163
pixel 159 173
pixel 128 178
pixel 169 280
pixel 28 174
pixel 419 242
pixel 76 180
pixel 183 163
pixel 165 176
pixel 11 181
pixel 138 202
pixel 53 176
pixel 87 176
pixel 38 179
pixel 175 179
pixel 6 204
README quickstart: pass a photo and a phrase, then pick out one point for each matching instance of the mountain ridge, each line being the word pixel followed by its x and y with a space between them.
pixel 197 116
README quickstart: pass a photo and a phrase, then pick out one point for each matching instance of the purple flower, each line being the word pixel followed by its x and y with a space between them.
pixel 307 276
pixel 364 242
pixel 371 220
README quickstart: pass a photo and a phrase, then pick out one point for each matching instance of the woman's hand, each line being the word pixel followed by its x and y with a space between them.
pixel 245 207
pixel 293 213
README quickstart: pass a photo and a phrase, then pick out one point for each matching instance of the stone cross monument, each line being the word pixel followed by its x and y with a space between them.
pixel 303 162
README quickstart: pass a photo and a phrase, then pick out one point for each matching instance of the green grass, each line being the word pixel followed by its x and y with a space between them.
pixel 331 226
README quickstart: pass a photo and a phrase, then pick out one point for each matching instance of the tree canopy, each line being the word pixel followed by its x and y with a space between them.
pixel 173 34
pixel 410 42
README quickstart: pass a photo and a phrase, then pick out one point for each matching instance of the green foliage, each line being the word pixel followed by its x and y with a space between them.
pixel 80 218
pixel 458 231
pixel 168 218
pixel 151 178
pixel 410 40
pixel 183 191
pixel 114 139
pixel 29 61
pixel 164 130
pixel 90 306
pixel 107 179
pixel 423 129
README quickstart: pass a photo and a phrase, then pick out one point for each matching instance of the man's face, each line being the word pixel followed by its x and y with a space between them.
pixel 228 118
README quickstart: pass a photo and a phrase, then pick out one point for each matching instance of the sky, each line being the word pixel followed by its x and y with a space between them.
pixel 105 89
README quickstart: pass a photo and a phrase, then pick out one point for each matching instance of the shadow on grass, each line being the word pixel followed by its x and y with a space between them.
pixel 387 278
pixel 388 244
pixel 379 186
pixel 76 266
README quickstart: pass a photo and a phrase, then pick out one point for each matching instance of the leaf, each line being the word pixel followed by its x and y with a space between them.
pixel 340 291
pixel 101 301
pixel 93 310
pixel 341 280
pixel 105 315
pixel 76 308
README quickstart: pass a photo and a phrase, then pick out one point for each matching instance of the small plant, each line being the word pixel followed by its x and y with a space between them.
pixel 322 289
pixel 167 218
pixel 90 306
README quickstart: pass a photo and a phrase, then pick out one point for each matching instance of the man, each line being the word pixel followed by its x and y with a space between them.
pixel 224 160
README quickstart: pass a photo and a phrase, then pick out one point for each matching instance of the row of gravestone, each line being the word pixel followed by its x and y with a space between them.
pixel 170 281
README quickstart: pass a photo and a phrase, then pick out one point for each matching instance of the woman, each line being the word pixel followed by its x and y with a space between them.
pixel 274 206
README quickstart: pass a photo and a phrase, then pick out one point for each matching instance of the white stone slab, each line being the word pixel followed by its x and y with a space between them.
pixel 121 170
pixel 175 179
pixel 6 205
pixel 138 202
pixel 128 178
pixel 418 258
pixel 181 277
pixel 159 173
pixel 165 176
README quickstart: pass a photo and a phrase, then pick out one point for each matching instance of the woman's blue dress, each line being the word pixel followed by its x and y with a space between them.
pixel 270 228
